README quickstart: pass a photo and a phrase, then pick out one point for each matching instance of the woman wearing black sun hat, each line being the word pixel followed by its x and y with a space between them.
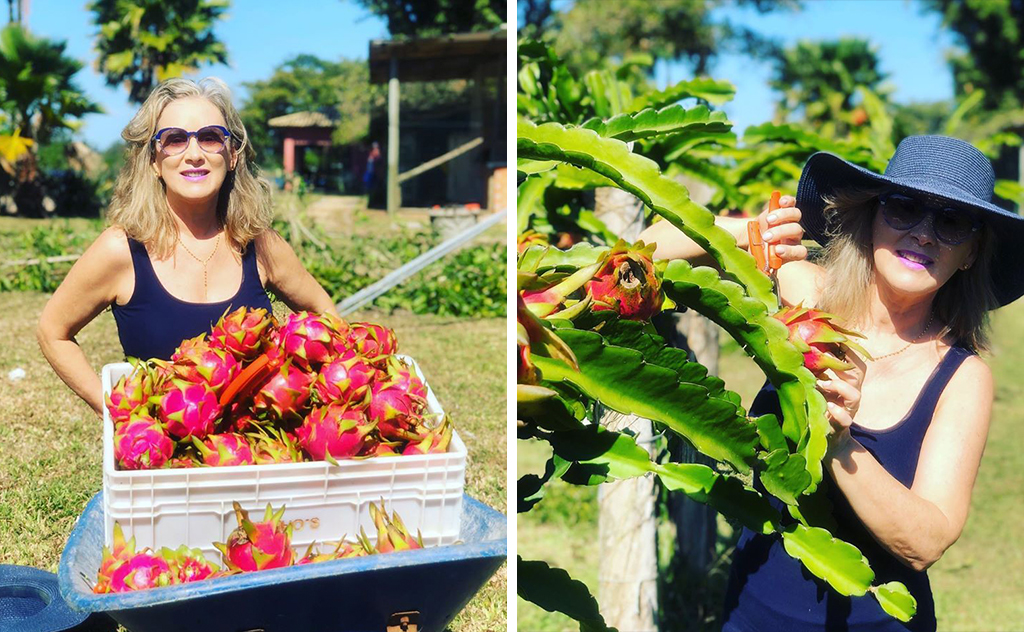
pixel 915 259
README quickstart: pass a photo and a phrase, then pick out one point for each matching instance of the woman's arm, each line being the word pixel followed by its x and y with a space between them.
pixel 90 286
pixel 917 525
pixel 288 278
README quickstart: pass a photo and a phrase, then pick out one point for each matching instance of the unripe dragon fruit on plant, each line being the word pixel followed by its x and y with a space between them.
pixel 188 565
pixel 824 343
pixel 242 332
pixel 345 380
pixel 285 394
pixel 196 361
pixel 258 546
pixel 334 431
pixel 141 443
pixel 220 450
pixel 309 338
pixel 372 341
pixel 187 409
pixel 627 282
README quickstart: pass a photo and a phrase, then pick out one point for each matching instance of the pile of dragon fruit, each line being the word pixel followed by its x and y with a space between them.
pixel 253 546
pixel 254 391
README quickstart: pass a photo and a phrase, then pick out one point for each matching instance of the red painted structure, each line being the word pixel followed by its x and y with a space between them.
pixel 301 129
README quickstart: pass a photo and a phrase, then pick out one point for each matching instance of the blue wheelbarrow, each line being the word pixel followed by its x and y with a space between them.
pixel 403 591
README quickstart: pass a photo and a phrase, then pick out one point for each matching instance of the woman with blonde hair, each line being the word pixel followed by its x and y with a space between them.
pixel 914 258
pixel 189 238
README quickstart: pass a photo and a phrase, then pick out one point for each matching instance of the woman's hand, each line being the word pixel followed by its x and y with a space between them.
pixel 842 392
pixel 782 228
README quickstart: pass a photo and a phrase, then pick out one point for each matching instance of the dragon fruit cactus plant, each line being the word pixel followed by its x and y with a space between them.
pixel 220 450
pixel 242 332
pixel 141 443
pixel 309 338
pixel 345 380
pixel 434 441
pixel 196 361
pixel 187 409
pixel 260 545
pixel 824 343
pixel 188 565
pixel 372 341
pixel 627 282
pixel 335 431
pixel 284 396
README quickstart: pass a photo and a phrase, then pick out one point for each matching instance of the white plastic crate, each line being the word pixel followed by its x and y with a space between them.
pixel 324 502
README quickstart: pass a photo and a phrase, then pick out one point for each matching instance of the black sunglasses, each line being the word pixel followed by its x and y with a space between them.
pixel 174 140
pixel 952 226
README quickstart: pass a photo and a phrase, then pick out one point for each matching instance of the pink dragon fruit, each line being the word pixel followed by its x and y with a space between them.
pixel 435 441
pixel 181 462
pixel 258 546
pixel 309 338
pixel 395 409
pixel 392 534
pixel 242 332
pixel 143 570
pixel 401 372
pixel 221 450
pixel 372 341
pixel 188 565
pixel 141 443
pixel 196 361
pixel 113 558
pixel 627 282
pixel 342 551
pixel 334 432
pixel 346 381
pixel 270 445
pixel 285 394
pixel 187 409
pixel 380 448
pixel 822 341
pixel 132 392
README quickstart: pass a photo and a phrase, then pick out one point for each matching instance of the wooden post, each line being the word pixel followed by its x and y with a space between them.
pixel 627 525
pixel 394 189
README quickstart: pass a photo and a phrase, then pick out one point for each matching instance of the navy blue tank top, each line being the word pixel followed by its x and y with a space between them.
pixel 153 323
pixel 769 590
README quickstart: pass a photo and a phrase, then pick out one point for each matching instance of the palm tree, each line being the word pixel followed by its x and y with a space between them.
pixel 143 42
pixel 37 97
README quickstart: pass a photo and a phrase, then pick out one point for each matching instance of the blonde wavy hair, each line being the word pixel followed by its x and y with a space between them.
pixel 139 205
pixel 962 303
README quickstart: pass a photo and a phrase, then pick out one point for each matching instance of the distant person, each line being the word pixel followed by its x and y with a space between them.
pixel 915 259
pixel 370 175
pixel 189 238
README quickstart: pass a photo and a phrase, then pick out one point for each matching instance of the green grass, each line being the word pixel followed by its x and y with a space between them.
pixel 50 463
pixel 978 584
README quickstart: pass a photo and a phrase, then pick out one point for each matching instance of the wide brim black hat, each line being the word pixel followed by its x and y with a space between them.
pixel 937 167
pixel 30 602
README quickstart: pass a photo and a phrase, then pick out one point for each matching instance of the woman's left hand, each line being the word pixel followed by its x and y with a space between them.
pixel 842 392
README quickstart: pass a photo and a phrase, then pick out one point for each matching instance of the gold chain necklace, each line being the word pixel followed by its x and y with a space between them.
pixel 215 246
pixel 909 344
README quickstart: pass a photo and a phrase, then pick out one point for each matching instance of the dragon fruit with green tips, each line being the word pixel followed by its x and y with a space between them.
pixel 310 338
pixel 345 380
pixel 132 392
pixel 219 450
pixel 372 341
pixel 256 546
pixel 243 332
pixel 285 395
pixel 188 565
pixel 335 431
pixel 196 361
pixel 141 443
pixel 824 343
pixel 187 409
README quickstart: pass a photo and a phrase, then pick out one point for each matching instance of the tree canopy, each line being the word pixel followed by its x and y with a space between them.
pixel 428 18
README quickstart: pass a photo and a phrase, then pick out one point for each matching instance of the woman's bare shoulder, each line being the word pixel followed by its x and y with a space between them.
pixel 111 248
pixel 801 282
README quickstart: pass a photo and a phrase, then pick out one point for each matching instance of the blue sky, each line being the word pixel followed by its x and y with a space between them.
pixel 910 45
pixel 259 35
